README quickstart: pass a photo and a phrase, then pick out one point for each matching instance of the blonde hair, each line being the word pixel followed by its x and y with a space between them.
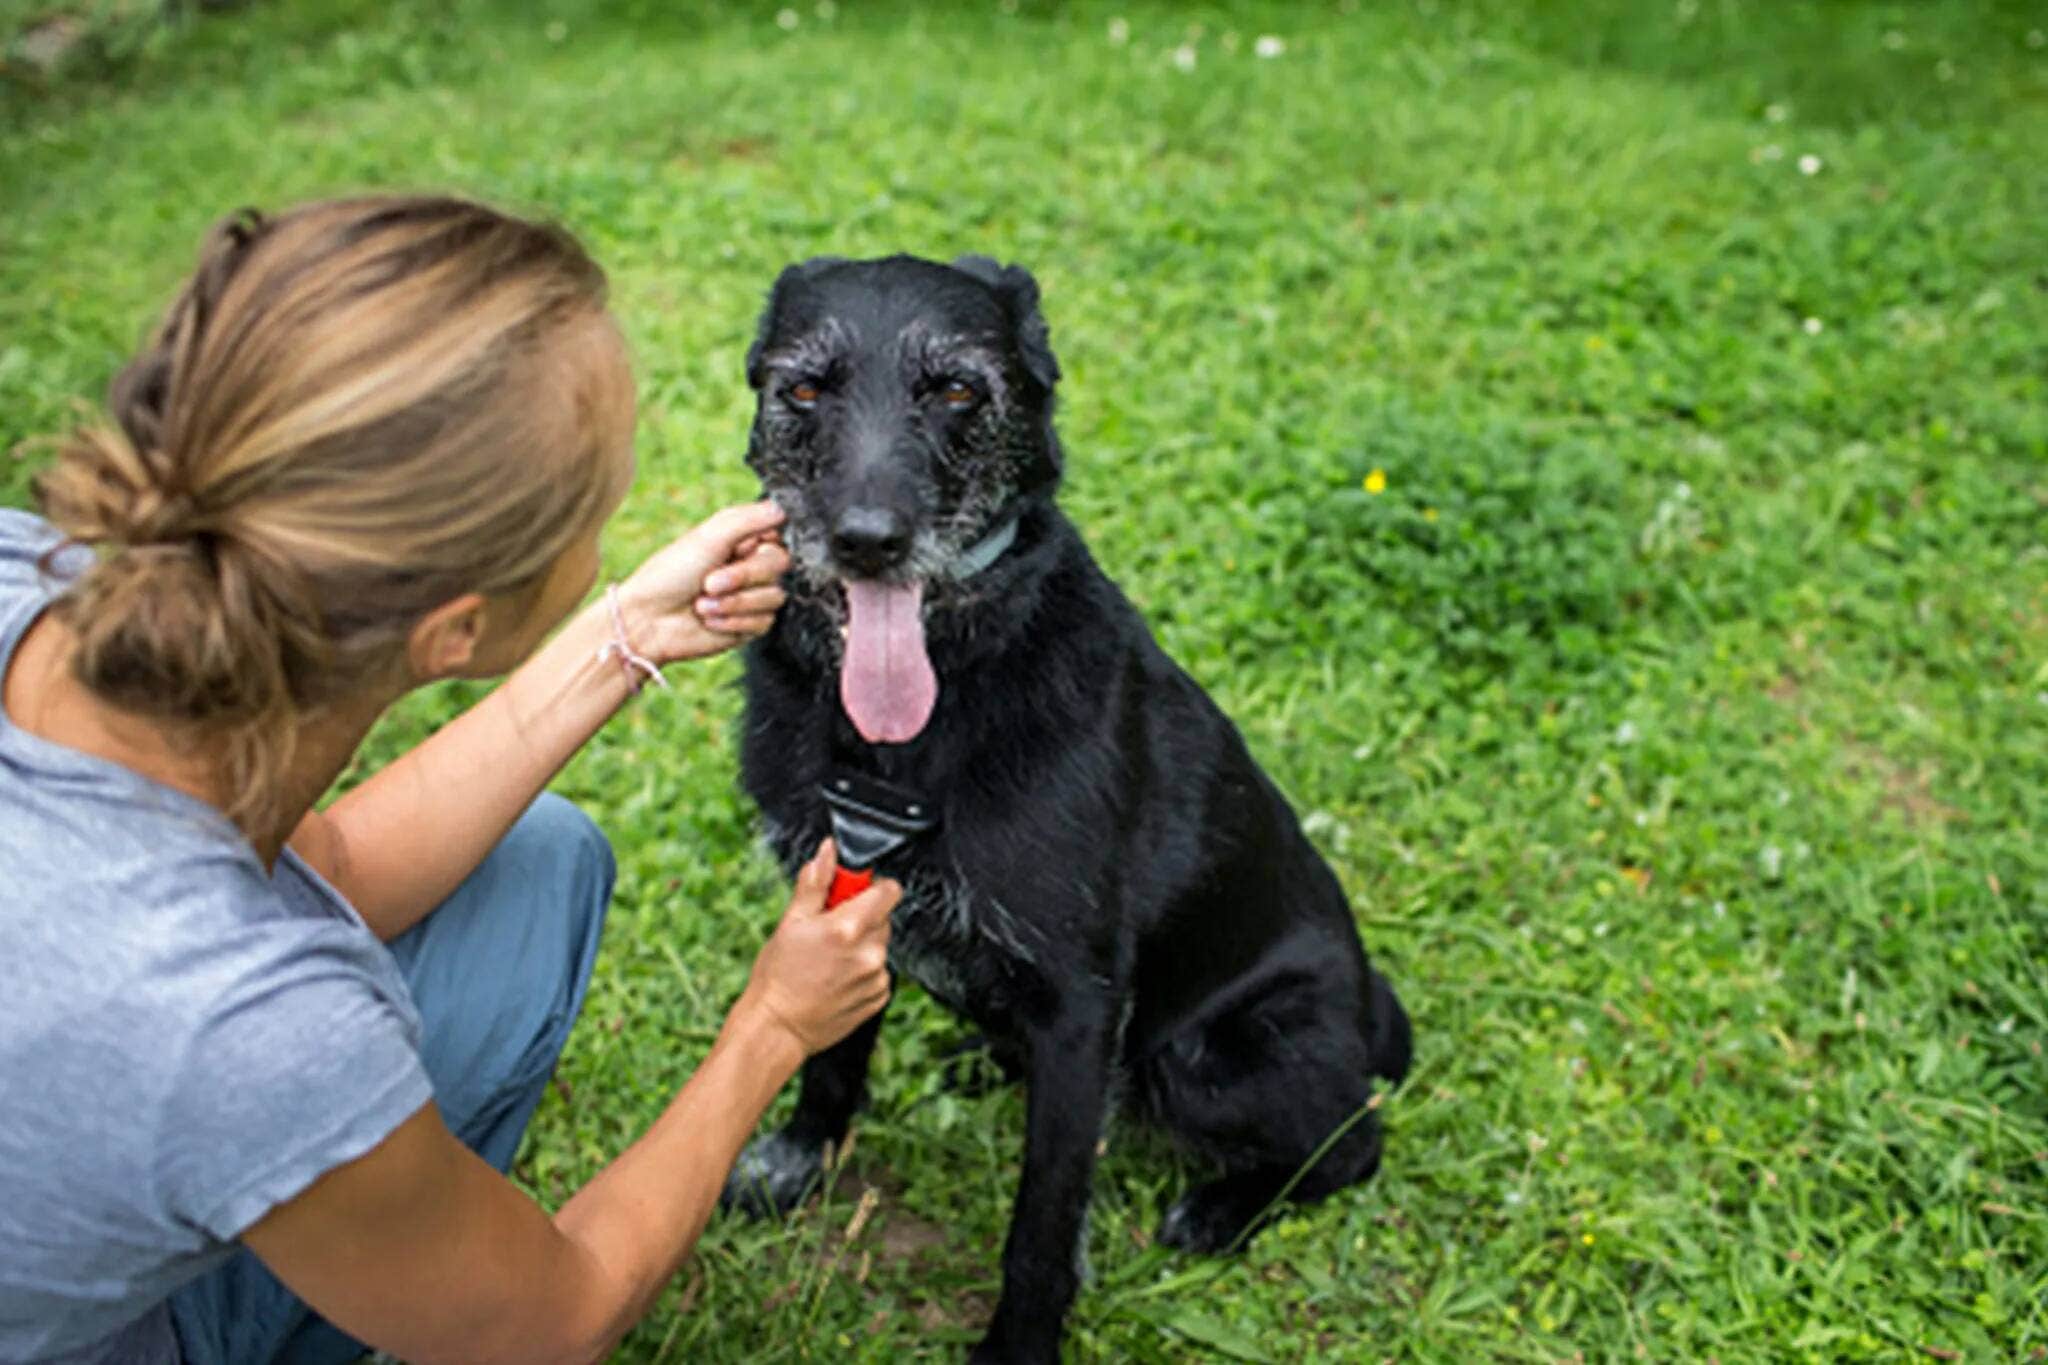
pixel 352 413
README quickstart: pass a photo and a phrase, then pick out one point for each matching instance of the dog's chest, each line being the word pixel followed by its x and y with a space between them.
pixel 960 943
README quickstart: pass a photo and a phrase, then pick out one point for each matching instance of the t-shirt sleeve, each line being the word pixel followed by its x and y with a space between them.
pixel 306 1065
pixel 24 540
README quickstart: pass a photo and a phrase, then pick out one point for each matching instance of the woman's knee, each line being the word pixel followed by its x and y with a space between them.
pixel 500 969
pixel 557 840
pixel 558 866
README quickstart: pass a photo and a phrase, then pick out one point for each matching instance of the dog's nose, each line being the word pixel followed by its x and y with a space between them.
pixel 870 540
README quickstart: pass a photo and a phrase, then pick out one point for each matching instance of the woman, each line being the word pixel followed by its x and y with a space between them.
pixel 371 445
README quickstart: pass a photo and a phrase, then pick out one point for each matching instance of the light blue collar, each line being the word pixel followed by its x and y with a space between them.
pixel 988 549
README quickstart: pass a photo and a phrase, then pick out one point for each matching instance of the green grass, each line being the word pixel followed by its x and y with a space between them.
pixel 1677 715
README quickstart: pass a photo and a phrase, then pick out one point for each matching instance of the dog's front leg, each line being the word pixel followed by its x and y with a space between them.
pixel 1068 1095
pixel 778 1171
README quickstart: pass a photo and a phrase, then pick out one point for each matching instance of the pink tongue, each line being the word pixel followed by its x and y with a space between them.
pixel 886 681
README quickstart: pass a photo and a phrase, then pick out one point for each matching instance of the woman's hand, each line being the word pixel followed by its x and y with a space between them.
pixel 824 971
pixel 714 587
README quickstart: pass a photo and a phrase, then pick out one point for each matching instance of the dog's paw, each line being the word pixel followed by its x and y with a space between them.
pixel 1210 1220
pixel 774 1175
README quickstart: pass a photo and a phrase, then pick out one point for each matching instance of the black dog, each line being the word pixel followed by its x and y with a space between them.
pixel 1117 896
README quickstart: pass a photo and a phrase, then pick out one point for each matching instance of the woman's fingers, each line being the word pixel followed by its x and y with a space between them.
pixel 749 602
pixel 814 878
pixel 720 536
pixel 753 543
pixel 728 526
pixel 765 564
pixel 868 913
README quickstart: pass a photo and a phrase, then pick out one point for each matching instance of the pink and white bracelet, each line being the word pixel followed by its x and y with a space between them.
pixel 640 669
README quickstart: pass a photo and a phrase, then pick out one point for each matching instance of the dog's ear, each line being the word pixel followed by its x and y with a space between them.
pixel 770 313
pixel 1017 289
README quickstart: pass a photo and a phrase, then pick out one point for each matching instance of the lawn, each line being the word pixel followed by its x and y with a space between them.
pixel 1599 456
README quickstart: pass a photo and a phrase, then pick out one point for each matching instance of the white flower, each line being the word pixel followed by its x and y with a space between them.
pixel 1777 113
pixel 1119 31
pixel 1770 860
pixel 1184 56
pixel 1894 40
pixel 1809 164
pixel 1770 151
pixel 1269 45
pixel 1812 326
pixel 1625 733
pixel 787 20
pixel 827 10
pixel 557 31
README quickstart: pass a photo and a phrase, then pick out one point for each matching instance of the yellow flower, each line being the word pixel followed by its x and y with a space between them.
pixel 1587 1239
pixel 1429 514
pixel 1376 482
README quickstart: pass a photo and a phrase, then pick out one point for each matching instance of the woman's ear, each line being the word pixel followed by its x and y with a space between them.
pixel 444 644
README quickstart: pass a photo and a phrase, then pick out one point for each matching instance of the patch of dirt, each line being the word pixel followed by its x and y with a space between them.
pixel 1909 791
pixel 870 1229
pixel 905 1236
pixel 741 149
pixel 44 44
pixel 870 1220
pixel 970 1309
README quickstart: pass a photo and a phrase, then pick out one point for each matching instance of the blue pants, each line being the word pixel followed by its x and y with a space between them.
pixel 498 972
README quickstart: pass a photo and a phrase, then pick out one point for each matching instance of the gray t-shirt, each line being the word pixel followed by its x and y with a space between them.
pixel 186 1040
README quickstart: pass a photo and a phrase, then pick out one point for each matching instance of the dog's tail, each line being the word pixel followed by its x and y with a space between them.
pixel 1393 1042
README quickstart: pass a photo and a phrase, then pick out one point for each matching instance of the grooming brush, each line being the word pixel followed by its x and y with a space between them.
pixel 870 820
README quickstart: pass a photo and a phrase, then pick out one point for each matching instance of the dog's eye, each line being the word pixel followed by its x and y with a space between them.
pixel 958 393
pixel 803 393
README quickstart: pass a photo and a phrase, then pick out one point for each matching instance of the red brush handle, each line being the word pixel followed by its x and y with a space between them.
pixel 848 883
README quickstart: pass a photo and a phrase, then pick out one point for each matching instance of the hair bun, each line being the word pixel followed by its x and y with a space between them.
pixel 349 415
pixel 159 518
pixel 153 637
pixel 102 491
pixel 174 620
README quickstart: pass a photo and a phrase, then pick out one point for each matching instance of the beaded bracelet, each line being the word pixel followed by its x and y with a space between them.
pixel 639 668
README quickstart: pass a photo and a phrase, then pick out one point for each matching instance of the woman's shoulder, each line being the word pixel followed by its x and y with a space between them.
pixel 204 1048
pixel 24 535
pixel 26 563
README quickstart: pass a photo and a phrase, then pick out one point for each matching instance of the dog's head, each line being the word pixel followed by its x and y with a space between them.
pixel 904 412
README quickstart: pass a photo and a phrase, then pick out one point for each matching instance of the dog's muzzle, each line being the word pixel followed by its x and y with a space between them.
pixel 870 541
pixel 886 681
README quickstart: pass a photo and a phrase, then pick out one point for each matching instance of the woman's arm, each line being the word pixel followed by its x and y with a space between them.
pixel 421 1249
pixel 397 845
